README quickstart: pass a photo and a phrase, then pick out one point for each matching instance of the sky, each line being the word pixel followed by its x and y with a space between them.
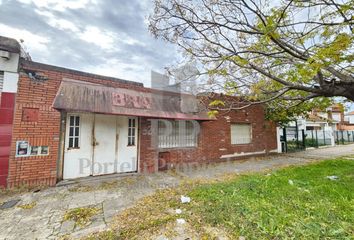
pixel 108 37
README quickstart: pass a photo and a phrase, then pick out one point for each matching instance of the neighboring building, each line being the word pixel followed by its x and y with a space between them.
pixel 315 122
pixel 348 123
pixel 9 59
pixel 322 120
pixel 65 124
pixel 349 117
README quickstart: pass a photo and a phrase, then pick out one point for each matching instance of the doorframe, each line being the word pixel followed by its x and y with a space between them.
pixel 62 135
pixel 138 146
pixel 62 141
pixel 93 139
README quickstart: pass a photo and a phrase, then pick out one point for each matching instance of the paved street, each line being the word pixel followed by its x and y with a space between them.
pixel 40 214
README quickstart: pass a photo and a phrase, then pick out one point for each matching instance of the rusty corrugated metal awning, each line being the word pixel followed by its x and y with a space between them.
pixel 78 96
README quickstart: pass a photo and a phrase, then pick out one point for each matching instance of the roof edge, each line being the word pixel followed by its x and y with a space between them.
pixel 9 45
pixel 26 64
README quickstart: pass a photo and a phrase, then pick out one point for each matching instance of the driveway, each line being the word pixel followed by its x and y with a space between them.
pixel 41 214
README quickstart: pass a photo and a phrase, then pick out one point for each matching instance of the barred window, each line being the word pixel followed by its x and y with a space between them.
pixel 131 131
pixel 177 134
pixel 74 131
pixel 241 133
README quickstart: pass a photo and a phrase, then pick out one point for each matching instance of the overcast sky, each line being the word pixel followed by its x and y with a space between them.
pixel 106 37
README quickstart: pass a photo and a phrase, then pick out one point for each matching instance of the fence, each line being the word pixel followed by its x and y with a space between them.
pixel 317 138
pixel 293 140
pixel 344 137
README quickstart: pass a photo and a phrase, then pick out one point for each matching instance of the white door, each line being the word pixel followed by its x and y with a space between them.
pixel 78 146
pixel 105 144
pixel 127 129
pixel 98 144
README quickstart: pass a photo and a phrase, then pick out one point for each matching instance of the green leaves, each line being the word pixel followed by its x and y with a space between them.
pixel 81 216
pixel 266 47
pixel 212 113
pixel 282 111
pixel 335 51
pixel 217 103
pixel 222 72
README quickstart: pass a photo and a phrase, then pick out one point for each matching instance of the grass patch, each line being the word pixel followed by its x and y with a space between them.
pixel 148 216
pixel 81 216
pixel 28 206
pixel 255 206
pixel 268 207
pixel 81 188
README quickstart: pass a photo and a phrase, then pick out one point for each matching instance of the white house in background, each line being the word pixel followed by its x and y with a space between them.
pixel 348 123
pixel 316 122
pixel 349 117
pixel 329 119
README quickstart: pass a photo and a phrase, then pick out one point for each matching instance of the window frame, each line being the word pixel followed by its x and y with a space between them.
pixel 250 133
pixel 78 137
pixel 174 139
pixel 132 128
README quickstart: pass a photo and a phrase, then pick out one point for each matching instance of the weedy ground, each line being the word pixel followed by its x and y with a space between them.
pixel 81 216
pixel 28 205
pixel 290 203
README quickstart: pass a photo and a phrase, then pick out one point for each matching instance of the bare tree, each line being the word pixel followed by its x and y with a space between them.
pixel 288 51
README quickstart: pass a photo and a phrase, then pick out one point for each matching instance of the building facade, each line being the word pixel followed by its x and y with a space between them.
pixel 67 124
pixel 9 59
pixel 329 120
pixel 348 123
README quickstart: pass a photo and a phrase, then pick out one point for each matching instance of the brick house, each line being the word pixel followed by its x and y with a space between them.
pixel 58 123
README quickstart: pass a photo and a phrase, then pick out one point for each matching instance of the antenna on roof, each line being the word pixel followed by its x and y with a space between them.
pixel 24 53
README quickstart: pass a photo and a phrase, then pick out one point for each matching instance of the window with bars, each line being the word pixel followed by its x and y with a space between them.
pixel 241 133
pixel 177 134
pixel 74 131
pixel 131 131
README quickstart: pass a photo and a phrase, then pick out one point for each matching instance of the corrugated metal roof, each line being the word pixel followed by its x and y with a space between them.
pixel 95 98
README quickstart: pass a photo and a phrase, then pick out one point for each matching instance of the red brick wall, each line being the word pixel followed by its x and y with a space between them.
pixel 214 140
pixel 38 170
pixel 44 129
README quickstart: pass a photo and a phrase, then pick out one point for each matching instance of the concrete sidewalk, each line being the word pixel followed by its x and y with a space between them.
pixel 39 215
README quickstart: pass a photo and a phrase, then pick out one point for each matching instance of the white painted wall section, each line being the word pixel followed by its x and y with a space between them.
pixel 10 65
pixel 10 82
pixel 243 154
pixel 278 140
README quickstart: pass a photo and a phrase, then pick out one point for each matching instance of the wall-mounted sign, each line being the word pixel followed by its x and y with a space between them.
pixel 34 150
pixel 129 100
pixel 22 148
